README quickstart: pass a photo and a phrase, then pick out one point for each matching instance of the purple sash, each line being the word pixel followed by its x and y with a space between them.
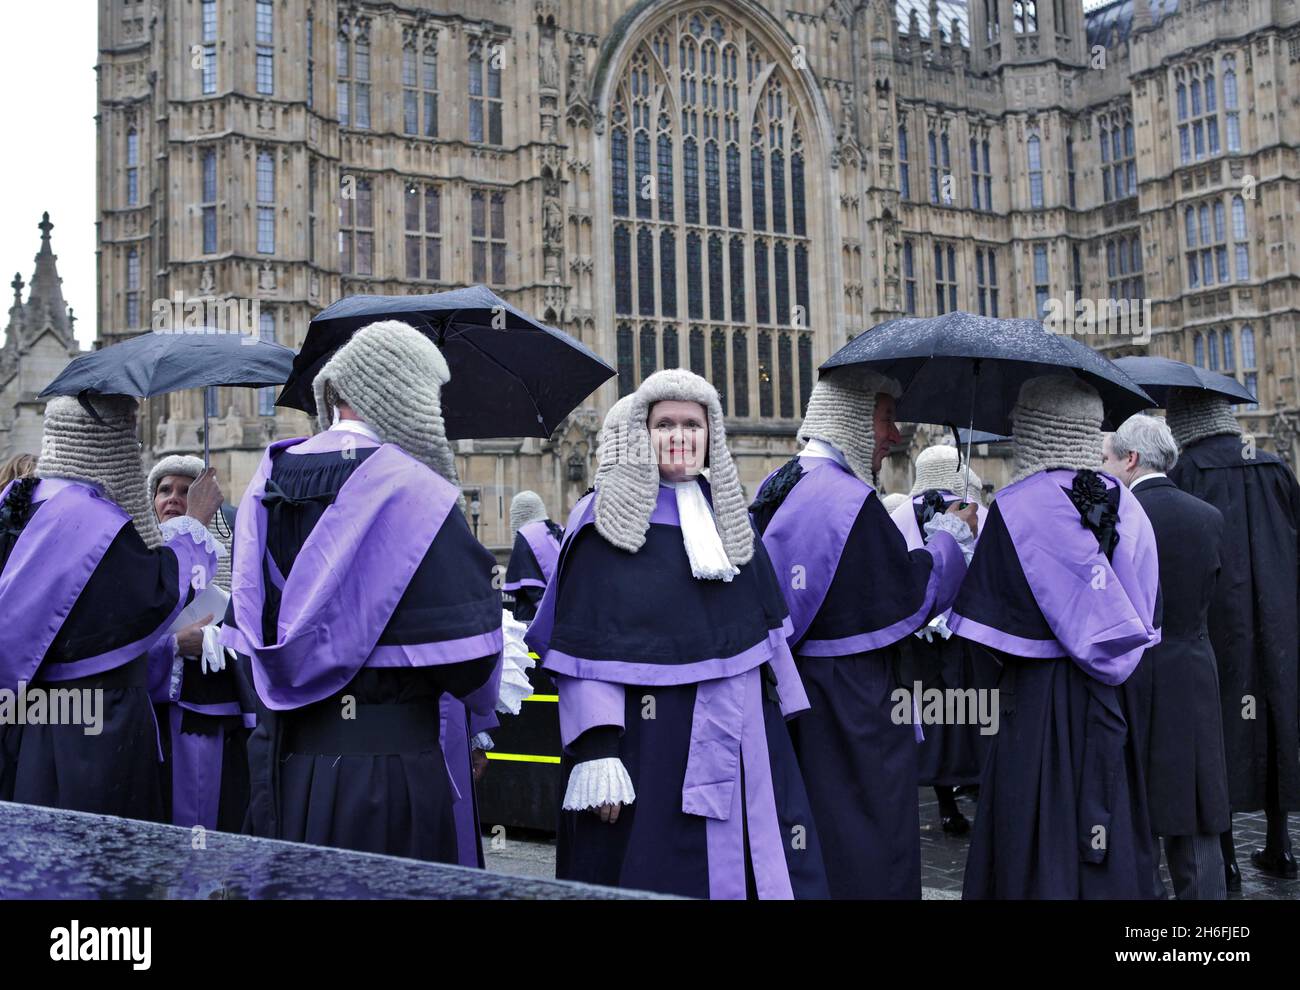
pixel 806 537
pixel 345 582
pixel 1100 611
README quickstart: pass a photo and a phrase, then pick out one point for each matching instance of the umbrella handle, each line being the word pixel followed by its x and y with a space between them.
pixel 970 436
pixel 207 457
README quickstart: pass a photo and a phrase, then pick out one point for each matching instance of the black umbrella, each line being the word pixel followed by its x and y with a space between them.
pixel 1158 375
pixel 170 360
pixel 962 368
pixel 510 375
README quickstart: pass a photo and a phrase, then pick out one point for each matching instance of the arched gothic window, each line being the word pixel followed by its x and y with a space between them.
pixel 711 219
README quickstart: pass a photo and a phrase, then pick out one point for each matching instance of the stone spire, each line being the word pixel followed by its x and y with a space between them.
pixel 1141 16
pixel 45 304
pixel 17 316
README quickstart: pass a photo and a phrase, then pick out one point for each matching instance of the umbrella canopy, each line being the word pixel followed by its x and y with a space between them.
pixel 167 361
pixel 962 368
pixel 965 436
pixel 1158 375
pixel 511 376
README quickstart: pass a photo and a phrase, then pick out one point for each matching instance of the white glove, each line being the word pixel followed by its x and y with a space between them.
pixel 935 627
pixel 598 782
pixel 214 654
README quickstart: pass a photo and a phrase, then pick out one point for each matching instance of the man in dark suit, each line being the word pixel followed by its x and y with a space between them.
pixel 1174 692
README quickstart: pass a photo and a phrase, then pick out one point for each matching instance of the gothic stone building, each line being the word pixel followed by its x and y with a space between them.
pixel 38 343
pixel 734 186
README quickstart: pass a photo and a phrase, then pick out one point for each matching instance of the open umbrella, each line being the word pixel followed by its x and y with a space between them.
pixel 960 367
pixel 1158 375
pixel 511 376
pixel 170 360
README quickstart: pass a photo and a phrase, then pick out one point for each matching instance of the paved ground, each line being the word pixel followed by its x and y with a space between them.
pixel 943 857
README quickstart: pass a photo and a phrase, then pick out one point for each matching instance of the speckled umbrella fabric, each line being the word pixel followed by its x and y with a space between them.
pixel 936 361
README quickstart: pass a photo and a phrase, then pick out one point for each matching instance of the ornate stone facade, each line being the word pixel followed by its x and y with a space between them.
pixel 733 186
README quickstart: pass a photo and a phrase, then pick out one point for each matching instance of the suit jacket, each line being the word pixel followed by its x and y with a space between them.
pixel 1174 692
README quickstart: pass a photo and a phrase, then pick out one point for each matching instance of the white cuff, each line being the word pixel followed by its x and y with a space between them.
pixel 178 669
pixel 515 663
pixel 482 741
pixel 201 535
pixel 598 782
pixel 956 528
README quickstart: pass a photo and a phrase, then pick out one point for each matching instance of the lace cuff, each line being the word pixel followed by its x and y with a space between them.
pixel 598 782
pixel 201 535
pixel 956 528
pixel 482 741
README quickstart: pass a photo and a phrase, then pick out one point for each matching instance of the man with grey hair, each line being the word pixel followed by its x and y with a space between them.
pixel 1173 694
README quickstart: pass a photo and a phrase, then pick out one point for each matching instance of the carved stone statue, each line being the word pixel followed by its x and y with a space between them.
pixel 577 84
pixel 549 68
pixel 552 223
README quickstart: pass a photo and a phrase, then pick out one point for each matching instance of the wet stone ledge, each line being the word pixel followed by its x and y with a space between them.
pixel 49 853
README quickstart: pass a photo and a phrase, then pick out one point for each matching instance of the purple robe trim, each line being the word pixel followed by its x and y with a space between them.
pixel 333 441
pixel 666 675
pixel 76 525
pixel 454 740
pixel 523 583
pixel 1100 611
pixel 221 708
pixel 196 774
pixel 353 556
pixel 586 704
pixel 434 654
pixel 904 516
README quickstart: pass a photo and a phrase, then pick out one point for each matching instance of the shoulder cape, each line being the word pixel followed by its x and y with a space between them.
pixel 347 596
pixel 1100 613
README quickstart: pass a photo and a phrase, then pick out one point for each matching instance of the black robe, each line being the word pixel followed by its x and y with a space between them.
pixel 1173 695
pixel 1253 619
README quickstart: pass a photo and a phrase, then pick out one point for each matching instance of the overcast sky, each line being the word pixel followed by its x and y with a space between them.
pixel 47 114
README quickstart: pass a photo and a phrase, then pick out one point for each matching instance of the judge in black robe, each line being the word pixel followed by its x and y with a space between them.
pixel 1253 620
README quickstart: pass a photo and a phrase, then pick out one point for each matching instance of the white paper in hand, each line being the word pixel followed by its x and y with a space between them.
pixel 211 601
